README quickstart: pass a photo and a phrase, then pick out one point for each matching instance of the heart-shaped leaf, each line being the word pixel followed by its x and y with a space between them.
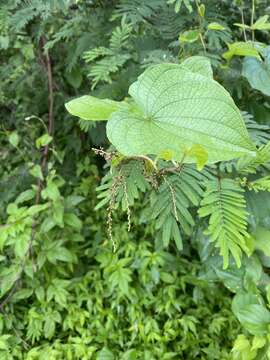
pixel 198 64
pixel 175 109
pixel 258 72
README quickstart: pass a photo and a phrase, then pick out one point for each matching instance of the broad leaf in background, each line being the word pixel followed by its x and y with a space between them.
pixel 105 354
pixel 261 24
pixel 244 350
pixel 215 26
pixel 252 313
pixel 257 72
pixel 189 36
pixel 178 4
pixel 178 107
pixel 241 49
pixel 262 240
pixel 258 206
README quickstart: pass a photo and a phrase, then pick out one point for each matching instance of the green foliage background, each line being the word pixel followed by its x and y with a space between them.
pixel 65 294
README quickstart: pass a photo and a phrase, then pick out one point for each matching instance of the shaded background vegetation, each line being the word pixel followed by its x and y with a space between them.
pixel 64 293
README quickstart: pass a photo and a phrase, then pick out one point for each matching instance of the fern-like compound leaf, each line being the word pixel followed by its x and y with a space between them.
pixel 108 60
pixel 225 206
pixel 250 164
pixel 131 182
pixel 260 134
pixel 171 204
pixel 262 184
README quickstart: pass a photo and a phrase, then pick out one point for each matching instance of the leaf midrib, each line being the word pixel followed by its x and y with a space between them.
pixel 154 123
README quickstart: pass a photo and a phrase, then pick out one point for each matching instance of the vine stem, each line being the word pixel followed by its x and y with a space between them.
pixel 46 61
pixel 127 204
pixel 173 197
pixel 201 27
pixel 243 23
pixel 252 20
pixel 116 183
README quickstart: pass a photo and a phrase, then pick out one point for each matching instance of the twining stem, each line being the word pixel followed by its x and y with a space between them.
pixel 243 23
pixel 127 204
pixel 117 181
pixel 203 43
pixel 252 20
pixel 201 28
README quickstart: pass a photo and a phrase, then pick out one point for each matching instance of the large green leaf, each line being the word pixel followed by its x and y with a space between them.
pixel 198 64
pixel 91 108
pixel 178 107
pixel 258 72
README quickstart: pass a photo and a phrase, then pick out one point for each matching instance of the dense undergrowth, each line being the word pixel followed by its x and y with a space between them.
pixel 75 281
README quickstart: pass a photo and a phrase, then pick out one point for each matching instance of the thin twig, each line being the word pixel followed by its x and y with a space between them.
pixel 108 156
pixel 173 197
pixel 25 343
pixel 252 20
pixel 113 190
pixel 127 204
pixel 243 23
